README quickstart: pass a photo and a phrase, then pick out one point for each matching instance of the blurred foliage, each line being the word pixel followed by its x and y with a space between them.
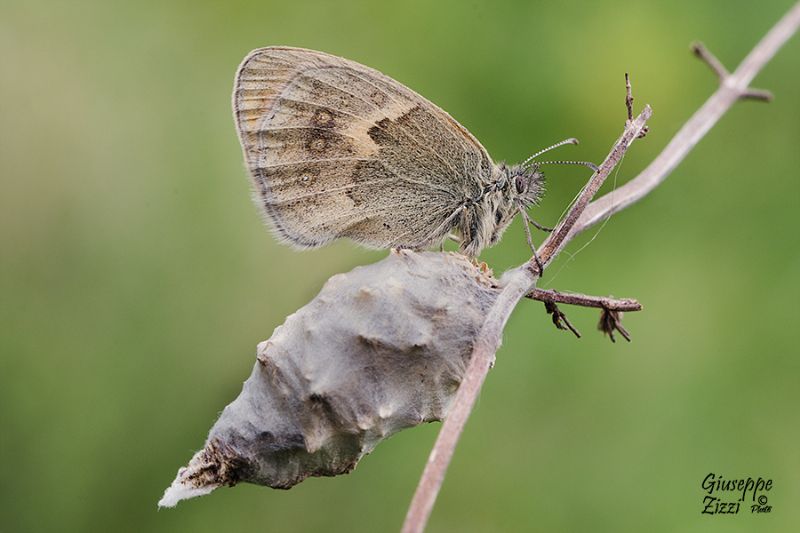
pixel 136 276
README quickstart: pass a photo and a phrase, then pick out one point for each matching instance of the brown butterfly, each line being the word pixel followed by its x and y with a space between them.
pixel 337 149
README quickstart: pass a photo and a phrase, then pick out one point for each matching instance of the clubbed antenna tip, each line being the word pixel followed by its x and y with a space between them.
pixel 571 140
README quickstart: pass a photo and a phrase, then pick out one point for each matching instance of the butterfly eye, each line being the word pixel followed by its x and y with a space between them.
pixel 519 184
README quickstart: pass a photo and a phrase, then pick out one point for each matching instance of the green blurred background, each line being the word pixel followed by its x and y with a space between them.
pixel 136 276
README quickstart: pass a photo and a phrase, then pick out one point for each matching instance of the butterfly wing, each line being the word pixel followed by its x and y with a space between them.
pixel 337 149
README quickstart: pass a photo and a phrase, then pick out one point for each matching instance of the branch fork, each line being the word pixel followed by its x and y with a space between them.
pixel 726 79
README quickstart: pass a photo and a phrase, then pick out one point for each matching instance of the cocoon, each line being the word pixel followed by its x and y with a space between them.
pixel 381 348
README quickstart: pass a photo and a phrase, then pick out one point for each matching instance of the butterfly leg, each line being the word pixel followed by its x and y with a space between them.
pixel 401 247
pixel 526 220
pixel 540 227
pixel 449 237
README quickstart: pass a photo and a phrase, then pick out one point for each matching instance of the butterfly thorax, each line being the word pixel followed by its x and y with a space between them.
pixel 486 216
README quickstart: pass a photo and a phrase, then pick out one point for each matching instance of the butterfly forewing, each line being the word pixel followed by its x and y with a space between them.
pixel 337 149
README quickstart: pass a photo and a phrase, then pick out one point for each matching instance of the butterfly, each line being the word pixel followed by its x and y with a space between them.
pixel 337 149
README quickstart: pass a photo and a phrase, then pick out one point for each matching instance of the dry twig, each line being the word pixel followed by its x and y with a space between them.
pixel 583 215
pixel 551 298
pixel 584 300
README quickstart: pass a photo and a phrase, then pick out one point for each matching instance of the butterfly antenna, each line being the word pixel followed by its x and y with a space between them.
pixel 582 163
pixel 571 140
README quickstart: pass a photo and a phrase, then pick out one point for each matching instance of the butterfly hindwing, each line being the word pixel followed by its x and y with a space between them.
pixel 337 149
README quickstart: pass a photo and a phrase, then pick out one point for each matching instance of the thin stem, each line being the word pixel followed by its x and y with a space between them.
pixel 762 95
pixel 705 55
pixel 628 97
pixel 556 241
pixel 585 300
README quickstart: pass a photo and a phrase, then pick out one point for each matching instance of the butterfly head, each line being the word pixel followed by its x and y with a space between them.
pixel 522 186
pixel 525 184
pixel 519 186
